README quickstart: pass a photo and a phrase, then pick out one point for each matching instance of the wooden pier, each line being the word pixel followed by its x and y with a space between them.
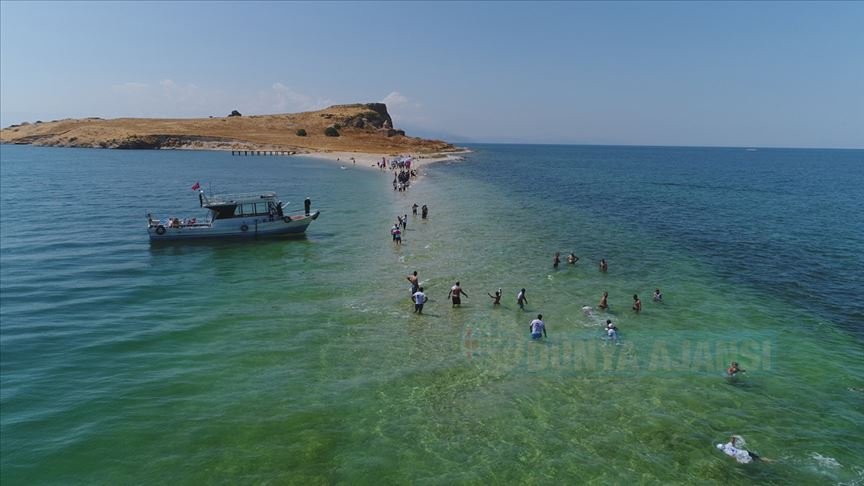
pixel 261 152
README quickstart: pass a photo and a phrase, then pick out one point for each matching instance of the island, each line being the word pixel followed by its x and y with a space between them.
pixel 362 128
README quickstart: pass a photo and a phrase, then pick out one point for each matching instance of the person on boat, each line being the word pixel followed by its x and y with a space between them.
pixel 604 301
pixel 455 294
pixel 175 222
pixel 658 297
pixel 734 369
pixel 521 299
pixel 556 260
pixel 419 299
pixel 572 259
pixel 537 328
pixel 307 206
pixel 603 265
pixel 496 298
pixel 735 449
pixel 637 304
pixel 415 282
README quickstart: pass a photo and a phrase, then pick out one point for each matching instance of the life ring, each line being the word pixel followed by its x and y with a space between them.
pixel 287 219
pixel 244 228
pixel 160 230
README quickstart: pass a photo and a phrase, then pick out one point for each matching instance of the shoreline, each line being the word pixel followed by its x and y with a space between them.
pixel 369 161
pixel 364 159
pixel 345 159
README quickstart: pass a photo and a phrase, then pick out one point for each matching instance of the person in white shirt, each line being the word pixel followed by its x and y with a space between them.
pixel 734 448
pixel 521 299
pixel 419 299
pixel 537 328
pixel 611 330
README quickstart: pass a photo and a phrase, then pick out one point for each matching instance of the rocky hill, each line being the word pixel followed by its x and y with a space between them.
pixel 363 128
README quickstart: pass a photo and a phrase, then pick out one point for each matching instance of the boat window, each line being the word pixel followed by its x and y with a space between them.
pixel 223 212
pixel 252 209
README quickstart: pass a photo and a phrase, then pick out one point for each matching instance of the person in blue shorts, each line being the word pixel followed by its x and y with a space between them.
pixel 537 328
pixel 419 299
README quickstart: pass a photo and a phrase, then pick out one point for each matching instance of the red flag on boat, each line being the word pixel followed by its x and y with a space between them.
pixel 196 186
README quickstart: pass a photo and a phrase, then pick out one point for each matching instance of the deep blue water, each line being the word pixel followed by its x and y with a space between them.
pixel 789 222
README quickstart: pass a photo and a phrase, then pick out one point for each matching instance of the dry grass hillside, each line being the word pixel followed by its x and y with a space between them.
pixel 363 128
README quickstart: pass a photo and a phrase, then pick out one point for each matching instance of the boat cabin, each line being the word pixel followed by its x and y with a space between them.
pixel 242 205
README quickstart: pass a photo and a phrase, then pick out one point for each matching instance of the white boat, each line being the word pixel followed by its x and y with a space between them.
pixel 254 215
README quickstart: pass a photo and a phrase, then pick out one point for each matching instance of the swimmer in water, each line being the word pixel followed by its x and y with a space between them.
pixel 658 297
pixel 603 265
pixel 415 283
pixel 734 449
pixel 556 260
pixel 496 298
pixel 455 294
pixel 572 259
pixel 537 328
pixel 611 330
pixel 419 299
pixel 521 299
pixel 734 369
pixel 637 304
pixel 604 304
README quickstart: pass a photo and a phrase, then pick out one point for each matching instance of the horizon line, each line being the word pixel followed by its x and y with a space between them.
pixel 745 147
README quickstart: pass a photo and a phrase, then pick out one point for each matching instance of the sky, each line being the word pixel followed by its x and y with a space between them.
pixel 748 74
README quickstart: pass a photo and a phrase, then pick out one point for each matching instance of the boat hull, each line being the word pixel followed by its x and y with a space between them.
pixel 234 228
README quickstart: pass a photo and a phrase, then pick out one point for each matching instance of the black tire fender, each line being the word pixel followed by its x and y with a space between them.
pixel 244 227
pixel 160 230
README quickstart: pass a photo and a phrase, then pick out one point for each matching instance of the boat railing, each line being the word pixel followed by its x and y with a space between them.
pixel 236 198
pixel 154 223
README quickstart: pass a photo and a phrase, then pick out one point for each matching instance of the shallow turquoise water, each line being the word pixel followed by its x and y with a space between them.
pixel 300 361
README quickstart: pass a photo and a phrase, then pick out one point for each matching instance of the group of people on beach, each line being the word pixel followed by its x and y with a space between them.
pixel 396 163
pixel 402 171
pixel 402 179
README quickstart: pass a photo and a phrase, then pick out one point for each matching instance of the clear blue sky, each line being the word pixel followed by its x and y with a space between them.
pixel 700 73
